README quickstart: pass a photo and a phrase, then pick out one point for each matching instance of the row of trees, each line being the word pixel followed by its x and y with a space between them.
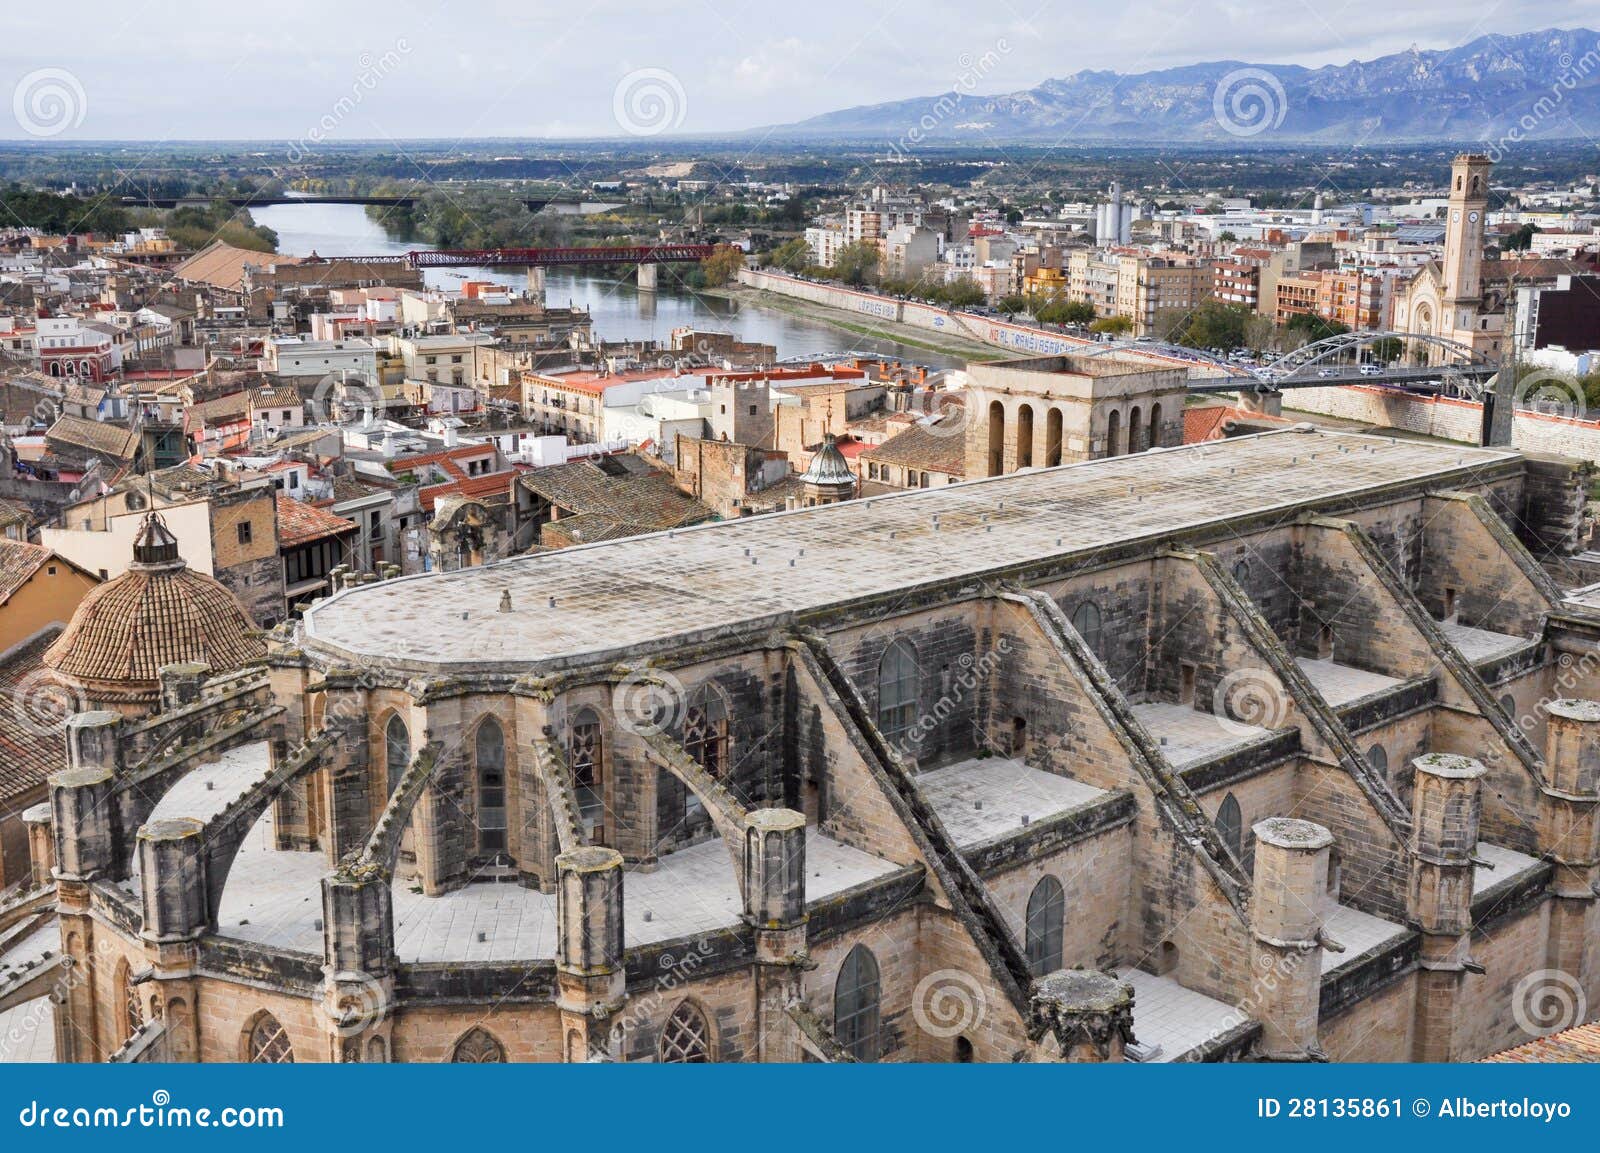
pixel 191 227
pixel 466 216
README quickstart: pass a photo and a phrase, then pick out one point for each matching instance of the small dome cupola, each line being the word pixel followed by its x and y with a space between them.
pixel 828 466
pixel 159 612
pixel 155 546
pixel 828 478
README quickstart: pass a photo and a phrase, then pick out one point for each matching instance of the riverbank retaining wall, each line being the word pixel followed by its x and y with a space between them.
pixel 1449 418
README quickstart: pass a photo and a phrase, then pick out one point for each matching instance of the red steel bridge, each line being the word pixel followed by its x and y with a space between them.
pixel 541 257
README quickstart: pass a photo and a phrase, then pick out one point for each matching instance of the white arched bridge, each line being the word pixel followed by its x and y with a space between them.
pixel 1334 360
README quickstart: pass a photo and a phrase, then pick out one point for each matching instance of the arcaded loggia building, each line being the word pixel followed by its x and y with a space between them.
pixel 1277 748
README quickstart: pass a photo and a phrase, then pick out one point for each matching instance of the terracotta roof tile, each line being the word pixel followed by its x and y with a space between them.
pixel 1579 1045
pixel 94 437
pixel 18 564
pixel 938 447
pixel 301 523
pixel 153 615
pixel 29 753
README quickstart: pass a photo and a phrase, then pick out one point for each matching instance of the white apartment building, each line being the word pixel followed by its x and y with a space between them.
pixel 297 356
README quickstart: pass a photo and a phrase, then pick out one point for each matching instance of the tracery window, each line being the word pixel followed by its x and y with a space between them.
pixel 585 751
pixel 686 1039
pixel 478 1047
pixel 132 1007
pixel 705 730
pixel 268 1043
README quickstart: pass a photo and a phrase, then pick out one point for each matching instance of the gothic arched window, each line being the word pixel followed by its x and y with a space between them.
pixel 489 754
pixel 1047 911
pixel 686 1040
pixel 267 1043
pixel 705 729
pixel 855 1004
pixel 132 1007
pixel 585 762
pixel 1086 620
pixel 396 751
pixel 1230 825
pixel 478 1047
pixel 897 691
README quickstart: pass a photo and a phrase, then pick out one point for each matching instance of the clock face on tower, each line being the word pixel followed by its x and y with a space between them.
pixel 1456 216
pixel 1472 218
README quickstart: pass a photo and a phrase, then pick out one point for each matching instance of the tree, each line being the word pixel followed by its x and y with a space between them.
pixel 722 266
pixel 1388 350
pixel 1314 328
pixel 1012 304
pixel 1116 325
pixel 1522 239
pixel 1226 237
pixel 1213 325
pixel 790 256
pixel 1079 312
pixel 857 263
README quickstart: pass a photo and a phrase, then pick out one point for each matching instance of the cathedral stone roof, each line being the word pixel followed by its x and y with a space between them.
pixel 157 613
pixel 612 599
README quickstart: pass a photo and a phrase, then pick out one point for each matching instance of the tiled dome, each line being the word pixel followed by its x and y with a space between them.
pixel 828 466
pixel 157 613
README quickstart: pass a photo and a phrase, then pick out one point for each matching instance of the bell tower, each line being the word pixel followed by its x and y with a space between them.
pixel 1463 238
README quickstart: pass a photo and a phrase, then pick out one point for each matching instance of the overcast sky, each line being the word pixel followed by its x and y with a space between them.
pixel 290 70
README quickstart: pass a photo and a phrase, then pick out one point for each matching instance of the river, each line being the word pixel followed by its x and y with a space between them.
pixel 620 311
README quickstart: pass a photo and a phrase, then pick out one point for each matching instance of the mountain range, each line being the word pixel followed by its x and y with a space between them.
pixel 1538 85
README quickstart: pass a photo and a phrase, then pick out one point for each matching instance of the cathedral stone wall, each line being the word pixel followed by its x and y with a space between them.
pixel 1377 1028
